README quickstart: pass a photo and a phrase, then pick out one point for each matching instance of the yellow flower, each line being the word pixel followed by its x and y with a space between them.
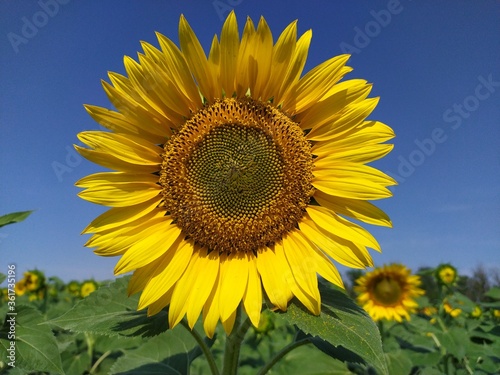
pixel 451 310
pixel 88 286
pixel 446 274
pixel 234 173
pixel 477 312
pixel 429 311
pixel 388 292
pixel 20 287
pixel 34 280
pixel 73 288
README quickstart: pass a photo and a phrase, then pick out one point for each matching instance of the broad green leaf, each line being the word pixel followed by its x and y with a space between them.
pixel 493 293
pixel 35 345
pixel 2 277
pixel 341 323
pixel 76 363
pixel 168 353
pixel 455 340
pixel 306 360
pixel 423 358
pixel 398 362
pixel 14 217
pixel 108 311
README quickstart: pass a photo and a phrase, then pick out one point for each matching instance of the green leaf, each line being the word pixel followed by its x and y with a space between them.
pixel 168 353
pixel 398 362
pixel 34 343
pixel 493 293
pixel 14 217
pixel 109 311
pixel 2 277
pixel 455 340
pixel 341 323
pixel 306 360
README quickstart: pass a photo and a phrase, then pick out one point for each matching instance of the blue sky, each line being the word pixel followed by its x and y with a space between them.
pixel 435 66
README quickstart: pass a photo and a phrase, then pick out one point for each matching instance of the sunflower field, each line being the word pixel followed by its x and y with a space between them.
pixel 235 181
pixel 89 327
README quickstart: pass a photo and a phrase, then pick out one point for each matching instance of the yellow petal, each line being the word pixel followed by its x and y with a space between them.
pixel 356 154
pixel 272 271
pixel 295 68
pixel 328 109
pixel 322 265
pixel 167 271
pixel 229 46
pixel 335 247
pixel 163 88
pixel 115 240
pixel 368 133
pixel 263 47
pixel 206 276
pixel 351 180
pixel 341 227
pixel 156 240
pixel 353 115
pixel 252 299
pixel 228 324
pixel 109 161
pixel 119 123
pixel 282 53
pixel 234 279
pixel 355 208
pixel 178 306
pixel 304 283
pixel 115 179
pixel 180 73
pixel 197 61
pixel 211 309
pixel 137 112
pixel 118 216
pixel 128 148
pixel 163 301
pixel 121 195
pixel 315 83
pixel 247 63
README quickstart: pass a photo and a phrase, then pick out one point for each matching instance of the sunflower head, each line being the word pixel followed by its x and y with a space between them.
pixel 87 287
pixel 20 287
pixel 234 174
pixel 34 280
pixel 73 288
pixel 477 312
pixel 451 309
pixel 446 274
pixel 389 292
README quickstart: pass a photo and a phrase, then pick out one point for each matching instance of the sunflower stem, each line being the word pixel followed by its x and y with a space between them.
pixel 204 348
pixel 287 349
pixel 233 345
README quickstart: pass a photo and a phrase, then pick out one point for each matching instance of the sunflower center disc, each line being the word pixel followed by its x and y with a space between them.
pixel 387 291
pixel 237 177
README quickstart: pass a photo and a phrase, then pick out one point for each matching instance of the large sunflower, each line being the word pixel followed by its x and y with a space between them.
pixel 234 173
pixel 389 292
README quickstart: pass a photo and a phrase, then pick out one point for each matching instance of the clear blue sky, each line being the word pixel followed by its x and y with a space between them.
pixel 435 65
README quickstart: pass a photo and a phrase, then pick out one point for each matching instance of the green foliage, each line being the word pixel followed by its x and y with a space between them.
pixel 341 323
pixel 14 217
pixel 57 331
pixel 31 345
